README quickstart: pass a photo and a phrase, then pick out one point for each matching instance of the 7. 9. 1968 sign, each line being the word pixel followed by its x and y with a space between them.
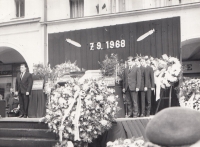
pixel 108 45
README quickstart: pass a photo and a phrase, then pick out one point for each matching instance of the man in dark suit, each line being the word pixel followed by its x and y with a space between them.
pixel 142 90
pixel 149 84
pixel 23 89
pixel 131 85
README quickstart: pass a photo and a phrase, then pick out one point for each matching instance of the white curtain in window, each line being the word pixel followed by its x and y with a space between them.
pixel 117 6
pixel 77 8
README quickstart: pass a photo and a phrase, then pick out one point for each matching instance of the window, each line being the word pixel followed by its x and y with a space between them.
pixel 121 5
pixel 117 6
pixel 76 8
pixel 20 8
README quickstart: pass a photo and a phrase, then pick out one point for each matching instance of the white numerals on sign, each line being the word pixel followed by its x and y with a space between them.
pixel 122 43
pixel 99 45
pixel 117 44
pixel 109 45
pixel 112 44
pixel 91 46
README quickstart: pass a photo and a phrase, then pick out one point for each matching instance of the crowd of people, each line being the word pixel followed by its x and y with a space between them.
pixel 138 82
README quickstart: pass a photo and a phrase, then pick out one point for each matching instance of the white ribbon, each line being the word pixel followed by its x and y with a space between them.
pixel 66 113
pixel 76 120
pixel 158 83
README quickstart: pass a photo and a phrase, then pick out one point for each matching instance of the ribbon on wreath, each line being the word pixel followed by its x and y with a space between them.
pixel 158 83
pixel 66 113
pixel 76 120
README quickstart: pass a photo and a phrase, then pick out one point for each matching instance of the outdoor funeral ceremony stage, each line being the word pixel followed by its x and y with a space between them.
pixel 25 132
pixel 30 132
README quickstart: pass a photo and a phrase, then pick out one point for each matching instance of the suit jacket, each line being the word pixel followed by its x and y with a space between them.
pixel 25 84
pixel 149 76
pixel 132 78
pixel 143 79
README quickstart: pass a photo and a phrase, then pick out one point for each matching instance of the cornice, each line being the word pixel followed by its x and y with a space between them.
pixel 125 14
pixel 20 21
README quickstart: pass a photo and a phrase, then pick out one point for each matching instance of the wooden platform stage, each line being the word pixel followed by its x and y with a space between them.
pixel 32 132
pixel 25 132
pixel 17 119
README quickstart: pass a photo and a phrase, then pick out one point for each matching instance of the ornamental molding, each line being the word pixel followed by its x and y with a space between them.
pixel 20 21
pixel 125 14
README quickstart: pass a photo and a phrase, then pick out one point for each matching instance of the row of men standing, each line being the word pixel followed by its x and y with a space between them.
pixel 138 82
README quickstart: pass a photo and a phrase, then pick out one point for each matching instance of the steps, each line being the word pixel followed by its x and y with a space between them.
pixel 25 132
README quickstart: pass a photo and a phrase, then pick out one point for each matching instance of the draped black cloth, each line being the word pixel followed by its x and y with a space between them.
pixel 37 101
pixel 123 128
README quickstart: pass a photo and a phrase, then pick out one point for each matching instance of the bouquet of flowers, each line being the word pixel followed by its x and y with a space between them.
pixel 81 111
pixel 111 65
pixel 133 142
pixel 54 74
pixel 65 68
pixel 189 93
pixel 42 69
pixel 167 69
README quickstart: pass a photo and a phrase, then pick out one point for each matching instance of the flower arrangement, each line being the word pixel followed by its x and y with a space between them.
pixel 132 142
pixel 42 69
pixel 65 144
pixel 81 111
pixel 111 66
pixel 54 74
pixel 169 69
pixel 45 73
pixel 65 68
pixel 189 93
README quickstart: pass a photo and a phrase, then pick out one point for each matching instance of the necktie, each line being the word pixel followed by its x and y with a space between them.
pixel 21 75
pixel 129 68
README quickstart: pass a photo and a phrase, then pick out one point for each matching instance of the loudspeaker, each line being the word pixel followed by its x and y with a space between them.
pixel 2 108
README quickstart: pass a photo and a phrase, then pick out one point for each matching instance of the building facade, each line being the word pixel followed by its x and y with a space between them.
pixel 26 24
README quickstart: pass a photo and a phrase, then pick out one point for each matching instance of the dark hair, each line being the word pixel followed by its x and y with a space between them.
pixel 23 65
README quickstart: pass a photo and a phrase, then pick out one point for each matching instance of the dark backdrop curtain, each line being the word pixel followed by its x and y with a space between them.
pixel 165 40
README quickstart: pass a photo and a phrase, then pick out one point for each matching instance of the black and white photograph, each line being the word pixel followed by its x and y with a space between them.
pixel 99 73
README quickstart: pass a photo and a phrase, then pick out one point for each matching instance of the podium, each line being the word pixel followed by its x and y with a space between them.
pixel 2 108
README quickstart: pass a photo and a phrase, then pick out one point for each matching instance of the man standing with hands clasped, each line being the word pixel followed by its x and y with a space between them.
pixel 23 88
pixel 149 85
pixel 131 85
